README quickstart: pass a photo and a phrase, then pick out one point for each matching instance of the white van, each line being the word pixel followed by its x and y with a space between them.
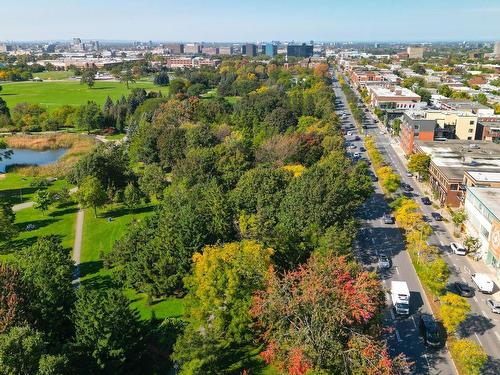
pixel 483 282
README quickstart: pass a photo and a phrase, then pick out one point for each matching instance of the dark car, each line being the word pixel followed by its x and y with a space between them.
pixel 406 187
pixel 357 138
pixel 429 330
pixel 374 178
pixel 362 149
pixel 437 216
pixel 388 219
pixel 462 289
pixel 426 201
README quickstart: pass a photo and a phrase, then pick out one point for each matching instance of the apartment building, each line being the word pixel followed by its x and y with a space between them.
pixel 415 127
pixel 392 97
pixel 450 160
pixel 174 48
pixel 463 105
pixel 192 49
pixel 454 124
pixel 226 50
pixel 210 51
pixel 482 206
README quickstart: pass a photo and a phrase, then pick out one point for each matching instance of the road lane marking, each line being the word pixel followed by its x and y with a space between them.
pixel 397 335
pixel 426 360
pixel 497 335
pixel 397 270
pixel 485 315
pixel 413 320
pixel 477 337
pixel 475 299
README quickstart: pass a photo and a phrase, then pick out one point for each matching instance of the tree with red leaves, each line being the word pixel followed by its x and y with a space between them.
pixel 324 316
pixel 9 296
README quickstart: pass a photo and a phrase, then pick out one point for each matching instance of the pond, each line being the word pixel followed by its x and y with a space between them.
pixel 31 157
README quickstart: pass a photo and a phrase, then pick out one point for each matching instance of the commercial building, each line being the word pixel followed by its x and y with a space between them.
pixel 192 49
pixel 415 127
pixel 299 50
pixel 210 51
pixel 415 52
pixel 174 48
pixel 489 130
pixel 450 160
pixel 271 49
pixel 393 97
pixel 360 77
pixel 249 49
pixel 482 206
pixel 463 105
pixel 454 124
pixel 226 50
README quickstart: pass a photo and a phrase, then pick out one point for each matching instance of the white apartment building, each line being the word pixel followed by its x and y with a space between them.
pixel 482 206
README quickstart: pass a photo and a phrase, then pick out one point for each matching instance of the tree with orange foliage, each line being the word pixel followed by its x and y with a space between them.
pixel 321 70
pixel 318 318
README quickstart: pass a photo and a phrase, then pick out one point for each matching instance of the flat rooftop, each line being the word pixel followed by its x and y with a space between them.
pixel 387 91
pixel 485 176
pixel 454 157
pixel 490 197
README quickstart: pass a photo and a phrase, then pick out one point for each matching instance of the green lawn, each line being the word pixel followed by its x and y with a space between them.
pixel 16 188
pixel 99 235
pixel 60 221
pixel 56 94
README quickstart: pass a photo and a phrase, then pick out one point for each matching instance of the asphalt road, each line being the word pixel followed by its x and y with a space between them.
pixel 481 325
pixel 374 238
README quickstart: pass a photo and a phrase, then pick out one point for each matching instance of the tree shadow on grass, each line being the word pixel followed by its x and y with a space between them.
pixel 100 282
pixel 37 223
pixel 87 268
pixel 70 210
pixel 125 211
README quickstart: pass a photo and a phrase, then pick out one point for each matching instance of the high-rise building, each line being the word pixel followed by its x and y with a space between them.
pixel 5 48
pixel 192 48
pixel 415 52
pixel 496 49
pixel 299 50
pixel 226 50
pixel 174 48
pixel 271 49
pixel 249 49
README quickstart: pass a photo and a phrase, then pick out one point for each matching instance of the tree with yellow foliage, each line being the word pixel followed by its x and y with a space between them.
pixel 408 215
pixel 454 309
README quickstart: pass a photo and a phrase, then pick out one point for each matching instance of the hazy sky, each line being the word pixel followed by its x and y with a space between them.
pixel 250 20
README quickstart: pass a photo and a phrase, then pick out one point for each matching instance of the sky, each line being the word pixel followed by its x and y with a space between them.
pixel 251 20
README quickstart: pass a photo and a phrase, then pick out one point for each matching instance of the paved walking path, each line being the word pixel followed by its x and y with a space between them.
pixel 22 206
pixel 77 246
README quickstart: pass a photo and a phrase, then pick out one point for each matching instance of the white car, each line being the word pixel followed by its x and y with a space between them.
pixel 483 282
pixel 356 155
pixel 458 248
pixel 349 133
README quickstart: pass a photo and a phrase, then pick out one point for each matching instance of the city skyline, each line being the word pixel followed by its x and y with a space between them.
pixel 194 20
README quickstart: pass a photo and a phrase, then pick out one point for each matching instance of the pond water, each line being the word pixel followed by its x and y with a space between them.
pixel 31 157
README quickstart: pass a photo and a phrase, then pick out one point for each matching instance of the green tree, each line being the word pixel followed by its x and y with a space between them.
pixel 91 193
pixel 420 163
pixel 131 196
pixel 445 90
pixel 11 298
pixel 7 217
pixel 161 79
pixel 107 332
pixel 396 126
pixel 42 200
pixel 481 98
pixel 152 181
pixel 89 117
pixel 88 77
pixel 127 77
pixel 472 244
pixel 195 90
pixel 47 272
pixel 458 217
pixel 21 349
pixel 220 294
pixel 51 364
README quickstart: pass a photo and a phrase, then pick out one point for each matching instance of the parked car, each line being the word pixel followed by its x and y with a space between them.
pixel 409 174
pixel 357 138
pixel 356 155
pixel 349 133
pixel 493 305
pixel 374 178
pixel 426 201
pixel 387 219
pixel 362 149
pixel 458 249
pixel 429 330
pixel 384 262
pixel 462 289
pixel 406 187
pixel 437 216
pixel 483 283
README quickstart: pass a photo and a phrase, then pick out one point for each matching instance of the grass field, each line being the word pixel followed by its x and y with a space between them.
pixel 56 94
pixel 99 235
pixel 58 220
pixel 15 188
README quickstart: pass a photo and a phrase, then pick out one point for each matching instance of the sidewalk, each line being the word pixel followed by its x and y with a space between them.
pixel 473 265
